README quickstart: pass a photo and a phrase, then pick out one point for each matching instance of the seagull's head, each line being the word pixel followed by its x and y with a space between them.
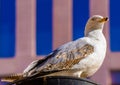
pixel 96 22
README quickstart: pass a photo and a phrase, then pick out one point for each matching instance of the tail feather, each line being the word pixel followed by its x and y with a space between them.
pixel 11 77
pixel 17 78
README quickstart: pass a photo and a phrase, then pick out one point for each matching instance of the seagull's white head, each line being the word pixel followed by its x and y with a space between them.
pixel 96 22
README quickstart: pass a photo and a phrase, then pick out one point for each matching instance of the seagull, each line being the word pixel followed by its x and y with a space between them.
pixel 80 58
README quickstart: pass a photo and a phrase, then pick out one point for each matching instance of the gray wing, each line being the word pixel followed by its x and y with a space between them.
pixel 32 68
pixel 63 58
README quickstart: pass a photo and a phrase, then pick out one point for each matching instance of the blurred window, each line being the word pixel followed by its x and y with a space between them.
pixel 80 16
pixel 115 25
pixel 44 27
pixel 7 28
pixel 115 77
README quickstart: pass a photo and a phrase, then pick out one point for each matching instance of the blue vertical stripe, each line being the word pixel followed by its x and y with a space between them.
pixel 114 25
pixel 115 75
pixel 7 28
pixel 44 27
pixel 80 16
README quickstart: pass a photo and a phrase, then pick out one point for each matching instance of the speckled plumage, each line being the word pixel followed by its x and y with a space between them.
pixel 81 58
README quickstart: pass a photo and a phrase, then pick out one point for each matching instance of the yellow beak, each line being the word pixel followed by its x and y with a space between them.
pixel 104 19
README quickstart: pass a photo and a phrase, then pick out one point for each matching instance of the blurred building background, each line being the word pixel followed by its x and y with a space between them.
pixel 31 29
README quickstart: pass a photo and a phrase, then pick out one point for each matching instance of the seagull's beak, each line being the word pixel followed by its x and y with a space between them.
pixel 104 19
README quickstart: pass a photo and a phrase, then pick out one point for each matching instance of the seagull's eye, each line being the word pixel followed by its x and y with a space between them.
pixel 93 19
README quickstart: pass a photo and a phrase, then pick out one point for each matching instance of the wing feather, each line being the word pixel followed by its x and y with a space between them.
pixel 67 59
pixel 62 58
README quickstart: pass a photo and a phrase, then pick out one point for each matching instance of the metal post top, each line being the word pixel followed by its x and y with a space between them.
pixel 57 80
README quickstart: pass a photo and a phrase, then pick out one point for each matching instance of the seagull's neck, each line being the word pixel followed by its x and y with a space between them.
pixel 96 34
